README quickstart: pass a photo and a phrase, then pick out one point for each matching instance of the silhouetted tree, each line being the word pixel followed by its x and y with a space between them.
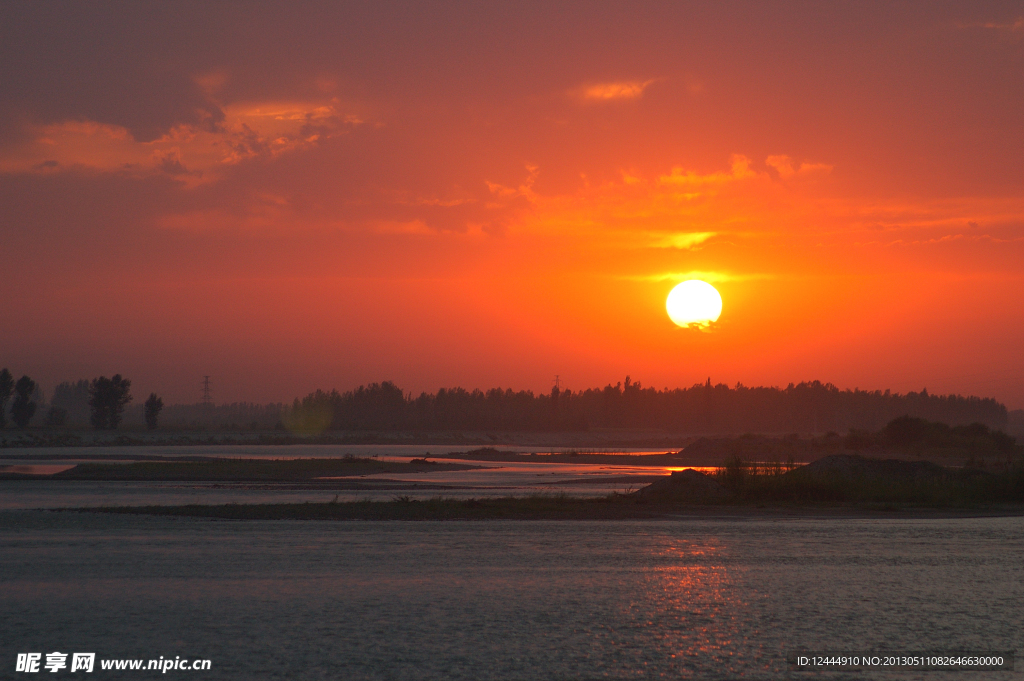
pixel 73 398
pixel 6 388
pixel 108 398
pixel 153 405
pixel 98 390
pixel 24 407
pixel 56 416
pixel 907 430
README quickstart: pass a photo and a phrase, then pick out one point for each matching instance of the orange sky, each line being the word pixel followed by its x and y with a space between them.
pixel 288 199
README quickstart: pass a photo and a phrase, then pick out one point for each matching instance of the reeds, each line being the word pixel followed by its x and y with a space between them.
pixel 772 483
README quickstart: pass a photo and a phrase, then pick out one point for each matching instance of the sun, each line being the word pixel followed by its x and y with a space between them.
pixel 694 303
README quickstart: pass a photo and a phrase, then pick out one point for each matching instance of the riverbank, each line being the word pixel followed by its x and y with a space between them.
pixel 543 507
pixel 242 470
pixel 596 439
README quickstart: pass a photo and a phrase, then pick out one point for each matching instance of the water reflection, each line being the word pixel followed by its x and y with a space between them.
pixel 36 469
pixel 691 585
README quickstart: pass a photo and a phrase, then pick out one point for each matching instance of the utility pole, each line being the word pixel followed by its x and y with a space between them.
pixel 207 400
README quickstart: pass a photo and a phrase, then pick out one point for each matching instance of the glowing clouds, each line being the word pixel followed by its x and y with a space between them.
pixel 694 303
pixel 192 154
pixel 603 92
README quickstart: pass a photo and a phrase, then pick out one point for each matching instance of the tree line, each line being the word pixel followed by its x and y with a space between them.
pixel 72 399
pixel 701 408
pixel 105 398
pixel 804 407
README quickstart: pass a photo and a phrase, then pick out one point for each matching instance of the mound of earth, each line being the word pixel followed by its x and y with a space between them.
pixel 856 466
pixel 688 485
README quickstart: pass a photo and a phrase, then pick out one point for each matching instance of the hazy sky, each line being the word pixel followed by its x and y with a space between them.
pixel 290 196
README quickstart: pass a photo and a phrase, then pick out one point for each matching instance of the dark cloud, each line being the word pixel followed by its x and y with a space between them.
pixel 126 64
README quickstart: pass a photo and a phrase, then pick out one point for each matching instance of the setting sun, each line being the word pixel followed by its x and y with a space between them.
pixel 355 319
pixel 694 303
pixel 161 200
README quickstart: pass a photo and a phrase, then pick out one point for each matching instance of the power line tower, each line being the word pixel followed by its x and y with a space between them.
pixel 555 392
pixel 207 400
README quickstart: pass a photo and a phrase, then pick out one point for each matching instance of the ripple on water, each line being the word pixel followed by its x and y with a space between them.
pixel 509 600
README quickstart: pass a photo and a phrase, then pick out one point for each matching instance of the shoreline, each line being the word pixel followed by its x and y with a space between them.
pixel 617 507
pixel 73 438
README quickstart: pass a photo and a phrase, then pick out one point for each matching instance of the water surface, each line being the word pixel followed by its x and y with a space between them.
pixel 694 598
pixel 490 479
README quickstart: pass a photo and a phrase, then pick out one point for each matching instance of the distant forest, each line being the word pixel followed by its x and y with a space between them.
pixel 804 407
pixel 73 399
pixel 702 408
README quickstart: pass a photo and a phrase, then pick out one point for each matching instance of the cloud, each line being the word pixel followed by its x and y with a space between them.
pixel 192 154
pixel 211 82
pixel 735 220
pixel 786 169
pixel 348 207
pixel 1015 26
pixel 681 209
pixel 680 240
pixel 683 213
pixel 416 227
pixel 603 92
pixel 740 170
pixel 704 275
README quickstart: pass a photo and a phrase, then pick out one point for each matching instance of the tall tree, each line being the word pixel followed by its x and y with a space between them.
pixel 24 407
pixel 98 390
pixel 153 406
pixel 108 397
pixel 119 398
pixel 6 388
pixel 73 398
